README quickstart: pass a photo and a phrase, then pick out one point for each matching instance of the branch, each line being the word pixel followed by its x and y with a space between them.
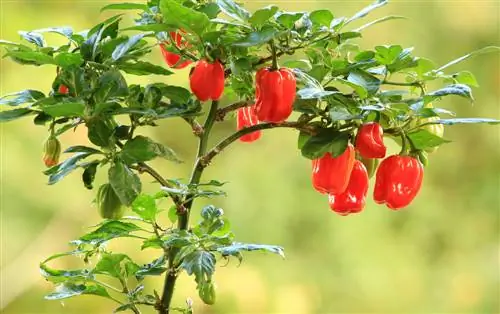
pixel 416 84
pixel 205 160
pixel 222 112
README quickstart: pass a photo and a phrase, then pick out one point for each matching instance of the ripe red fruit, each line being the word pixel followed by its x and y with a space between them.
pixel 398 181
pixel 353 199
pixel 207 80
pixel 332 174
pixel 275 92
pixel 172 58
pixel 370 141
pixel 245 118
pixel 63 89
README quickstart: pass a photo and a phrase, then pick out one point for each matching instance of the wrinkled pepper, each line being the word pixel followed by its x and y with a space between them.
pixel 398 181
pixel 370 141
pixel 172 58
pixel 353 199
pixel 207 80
pixel 245 118
pixel 51 151
pixel 332 174
pixel 275 92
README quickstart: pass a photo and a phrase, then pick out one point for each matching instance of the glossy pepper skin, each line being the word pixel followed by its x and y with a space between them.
pixel 172 58
pixel 331 174
pixel 63 89
pixel 398 181
pixel 370 141
pixel 353 199
pixel 275 92
pixel 207 80
pixel 51 151
pixel 245 118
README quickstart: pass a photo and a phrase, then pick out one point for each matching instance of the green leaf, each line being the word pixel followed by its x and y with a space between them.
pixel 338 113
pixel 66 31
pixel 321 17
pixel 261 16
pixel 212 10
pixel 257 38
pixel 423 139
pixel 466 77
pixel 143 68
pixel 115 265
pixel 68 59
pixel 387 54
pixel 82 149
pixel 100 132
pixel 360 90
pixel 314 93
pixel 64 109
pixel 58 172
pixel 22 97
pixel 126 184
pixel 380 20
pixel 288 19
pixel 145 206
pixel 467 121
pixel 325 141
pixel 32 57
pixel 175 93
pixel 33 37
pixel 469 55
pixel 68 290
pixel 125 6
pixel 200 263
pixel 235 248
pixel 233 10
pixel 183 17
pixel 155 268
pixel 142 148
pixel 122 49
pixel 88 175
pixel 108 230
pixel 304 65
pixel 369 82
pixel 454 89
pixel 112 85
pixel 364 56
pixel 364 12
pixel 124 307
pixel 172 214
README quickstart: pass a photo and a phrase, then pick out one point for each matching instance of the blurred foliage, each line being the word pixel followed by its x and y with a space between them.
pixel 440 254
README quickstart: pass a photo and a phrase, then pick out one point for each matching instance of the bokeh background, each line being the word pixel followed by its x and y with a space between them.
pixel 440 255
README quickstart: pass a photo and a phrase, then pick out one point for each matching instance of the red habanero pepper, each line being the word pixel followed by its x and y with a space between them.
pixel 207 80
pixel 332 174
pixel 172 58
pixel 398 181
pixel 245 118
pixel 370 142
pixel 274 94
pixel 63 89
pixel 353 199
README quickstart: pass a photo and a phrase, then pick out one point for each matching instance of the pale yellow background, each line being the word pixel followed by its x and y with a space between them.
pixel 440 255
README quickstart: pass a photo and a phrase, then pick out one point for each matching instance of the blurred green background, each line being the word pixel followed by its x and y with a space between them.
pixel 440 255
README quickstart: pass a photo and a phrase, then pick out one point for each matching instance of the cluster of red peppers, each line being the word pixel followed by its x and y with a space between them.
pixel 345 179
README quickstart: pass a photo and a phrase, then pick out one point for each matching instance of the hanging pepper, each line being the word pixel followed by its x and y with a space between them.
pixel 274 94
pixel 245 118
pixel 370 141
pixel 207 80
pixel 331 174
pixel 398 181
pixel 353 199
pixel 63 89
pixel 172 58
pixel 109 204
pixel 52 151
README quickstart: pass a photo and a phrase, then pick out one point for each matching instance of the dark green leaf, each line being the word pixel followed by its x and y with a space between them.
pixel 10 115
pixel 288 19
pixel 42 118
pixel 145 206
pixel 88 175
pixel 338 113
pixel 423 139
pixel 257 38
pixel 359 89
pixel 387 54
pixel 143 68
pixel 321 17
pixel 109 229
pixel 112 84
pixel 32 57
pixel 155 268
pixel 82 149
pixel 369 82
pixel 124 307
pixel 122 49
pixel 125 6
pixel 261 16
pixel 212 10
pixel 200 263
pixel 233 10
pixel 126 184
pixel 64 109
pixel 22 97
pixel 58 172
pixel 325 141
pixel 142 148
pixel 175 93
pixel 67 59
pixel 183 17
pixel 100 132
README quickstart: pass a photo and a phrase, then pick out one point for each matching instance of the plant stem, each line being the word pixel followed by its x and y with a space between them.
pixel 183 221
pixel 274 66
pixel 222 112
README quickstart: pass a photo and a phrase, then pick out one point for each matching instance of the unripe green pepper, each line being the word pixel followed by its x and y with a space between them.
pixel 207 293
pixel 108 203
pixel 51 151
pixel 371 165
pixel 423 157
pixel 436 129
